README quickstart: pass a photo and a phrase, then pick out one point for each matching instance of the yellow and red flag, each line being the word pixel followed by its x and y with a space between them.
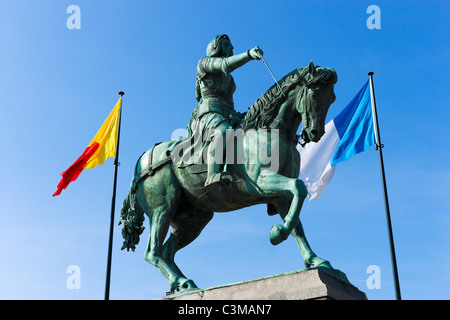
pixel 102 147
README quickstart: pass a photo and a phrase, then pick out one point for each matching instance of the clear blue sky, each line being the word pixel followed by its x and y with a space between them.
pixel 58 85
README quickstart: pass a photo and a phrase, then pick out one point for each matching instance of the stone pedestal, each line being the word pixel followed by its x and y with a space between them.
pixel 305 284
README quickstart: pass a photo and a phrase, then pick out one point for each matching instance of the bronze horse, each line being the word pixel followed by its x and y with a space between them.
pixel 174 195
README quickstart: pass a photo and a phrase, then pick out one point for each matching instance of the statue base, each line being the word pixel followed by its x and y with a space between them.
pixel 304 284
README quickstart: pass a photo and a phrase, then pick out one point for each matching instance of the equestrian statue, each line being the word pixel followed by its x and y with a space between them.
pixel 228 161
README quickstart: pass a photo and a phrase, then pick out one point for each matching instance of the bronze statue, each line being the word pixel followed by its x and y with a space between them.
pixel 181 183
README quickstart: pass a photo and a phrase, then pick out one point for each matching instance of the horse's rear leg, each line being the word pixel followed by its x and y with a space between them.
pixel 161 198
pixel 153 253
pixel 184 231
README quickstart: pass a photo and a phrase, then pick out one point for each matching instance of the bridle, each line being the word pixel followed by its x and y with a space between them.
pixel 304 113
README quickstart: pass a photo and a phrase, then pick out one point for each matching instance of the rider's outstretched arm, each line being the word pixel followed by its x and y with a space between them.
pixel 229 64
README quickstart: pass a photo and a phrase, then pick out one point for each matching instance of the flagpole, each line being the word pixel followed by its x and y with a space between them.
pixel 113 205
pixel 379 146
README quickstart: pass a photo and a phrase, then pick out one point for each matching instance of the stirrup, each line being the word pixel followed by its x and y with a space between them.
pixel 271 210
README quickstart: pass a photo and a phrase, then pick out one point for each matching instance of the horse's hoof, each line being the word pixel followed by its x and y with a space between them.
pixel 188 285
pixel 324 264
pixel 317 262
pixel 181 285
pixel 277 234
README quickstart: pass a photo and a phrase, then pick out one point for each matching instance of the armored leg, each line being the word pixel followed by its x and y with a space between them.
pixel 215 158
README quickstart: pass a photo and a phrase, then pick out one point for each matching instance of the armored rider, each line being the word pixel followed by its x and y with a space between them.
pixel 214 91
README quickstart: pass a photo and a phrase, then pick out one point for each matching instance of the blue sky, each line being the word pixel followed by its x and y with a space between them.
pixel 58 85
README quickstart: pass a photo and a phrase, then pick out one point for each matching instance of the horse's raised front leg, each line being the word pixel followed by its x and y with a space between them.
pixel 276 185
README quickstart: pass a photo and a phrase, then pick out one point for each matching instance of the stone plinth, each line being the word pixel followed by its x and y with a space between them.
pixel 305 284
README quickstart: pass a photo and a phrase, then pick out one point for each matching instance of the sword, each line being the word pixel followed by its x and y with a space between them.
pixel 278 85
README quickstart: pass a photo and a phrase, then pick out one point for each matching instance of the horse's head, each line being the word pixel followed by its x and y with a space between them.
pixel 308 91
pixel 315 97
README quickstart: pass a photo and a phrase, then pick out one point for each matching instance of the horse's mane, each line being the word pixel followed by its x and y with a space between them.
pixel 264 110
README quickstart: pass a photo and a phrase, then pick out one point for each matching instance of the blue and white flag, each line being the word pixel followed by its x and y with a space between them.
pixel 349 133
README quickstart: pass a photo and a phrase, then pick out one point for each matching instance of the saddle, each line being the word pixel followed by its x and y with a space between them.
pixel 149 163
pixel 160 155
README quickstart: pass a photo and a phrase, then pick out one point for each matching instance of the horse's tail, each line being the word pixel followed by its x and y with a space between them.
pixel 131 218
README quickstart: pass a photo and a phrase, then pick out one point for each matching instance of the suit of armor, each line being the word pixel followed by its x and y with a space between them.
pixel 215 111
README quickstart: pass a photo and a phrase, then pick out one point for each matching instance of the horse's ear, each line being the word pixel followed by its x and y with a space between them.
pixel 312 68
